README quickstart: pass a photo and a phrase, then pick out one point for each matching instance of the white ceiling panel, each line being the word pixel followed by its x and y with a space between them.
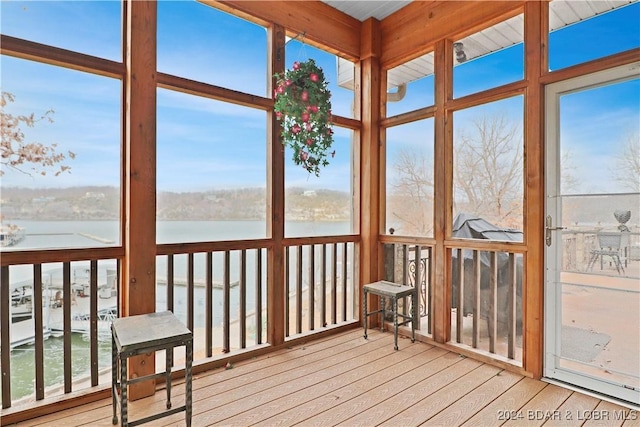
pixel 365 9
pixel 500 36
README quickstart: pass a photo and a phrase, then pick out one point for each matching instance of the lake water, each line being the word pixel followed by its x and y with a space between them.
pixel 67 234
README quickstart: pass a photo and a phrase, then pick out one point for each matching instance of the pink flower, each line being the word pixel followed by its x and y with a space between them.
pixel 295 129
pixel 309 142
pixel 296 65
pixel 308 127
pixel 280 89
pixel 312 108
pixel 304 117
pixel 304 156
pixel 288 82
pixel 314 77
pixel 305 95
pixel 278 115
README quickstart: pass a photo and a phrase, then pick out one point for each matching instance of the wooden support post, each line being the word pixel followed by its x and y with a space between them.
pixel 536 26
pixel 443 191
pixel 370 255
pixel 275 201
pixel 139 278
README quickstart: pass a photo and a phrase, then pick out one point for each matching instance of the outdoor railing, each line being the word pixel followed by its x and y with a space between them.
pixel 410 264
pixel 579 244
pixel 319 283
pixel 54 319
pixel 218 289
pixel 486 301
pixel 220 295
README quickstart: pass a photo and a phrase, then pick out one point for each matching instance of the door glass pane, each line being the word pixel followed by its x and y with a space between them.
pixel 598 289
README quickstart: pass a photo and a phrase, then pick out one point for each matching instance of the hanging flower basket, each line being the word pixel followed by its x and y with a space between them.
pixel 303 103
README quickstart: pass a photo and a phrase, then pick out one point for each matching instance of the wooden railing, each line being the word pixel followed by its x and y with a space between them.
pixel 486 301
pixel 319 283
pixel 218 289
pixel 64 294
pixel 219 294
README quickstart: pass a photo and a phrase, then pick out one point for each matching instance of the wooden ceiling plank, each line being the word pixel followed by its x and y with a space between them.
pixel 323 26
pixel 412 30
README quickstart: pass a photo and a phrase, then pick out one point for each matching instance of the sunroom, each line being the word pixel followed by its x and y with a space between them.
pixel 483 152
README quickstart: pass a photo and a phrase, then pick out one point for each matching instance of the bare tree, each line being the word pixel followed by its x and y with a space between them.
pixel 568 180
pixel 412 195
pixel 627 171
pixel 488 166
pixel 16 153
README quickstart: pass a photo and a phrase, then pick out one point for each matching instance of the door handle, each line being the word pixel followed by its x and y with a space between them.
pixel 549 228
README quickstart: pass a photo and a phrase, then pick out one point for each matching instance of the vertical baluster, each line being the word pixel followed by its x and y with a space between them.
pixel 417 282
pixel 190 291
pixel 299 291
pixel 258 303
pixel 287 290
pixel 209 305
pixel 39 329
pixel 243 299
pixel 312 286
pixel 334 285
pixel 430 303
pixel 344 281
pixel 511 306
pixel 5 336
pixel 66 315
pixel 405 264
pixel 323 297
pixel 93 316
pixel 118 285
pixel 460 308
pixel 170 282
pixel 493 312
pixel 226 304
pixel 476 297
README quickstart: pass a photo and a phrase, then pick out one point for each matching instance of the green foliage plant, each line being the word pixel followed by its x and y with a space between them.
pixel 303 104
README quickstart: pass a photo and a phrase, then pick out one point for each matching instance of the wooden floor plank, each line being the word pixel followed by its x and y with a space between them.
pixel 462 410
pixel 632 418
pixel 568 413
pixel 283 377
pixel 605 414
pixel 360 395
pixel 542 406
pixel 156 402
pixel 433 403
pixel 346 380
pixel 507 404
pixel 428 381
pixel 289 408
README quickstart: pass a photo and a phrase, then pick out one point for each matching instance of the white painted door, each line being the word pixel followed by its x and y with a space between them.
pixel 592 289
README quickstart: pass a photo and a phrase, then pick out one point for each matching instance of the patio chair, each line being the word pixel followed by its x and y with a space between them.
pixel 611 244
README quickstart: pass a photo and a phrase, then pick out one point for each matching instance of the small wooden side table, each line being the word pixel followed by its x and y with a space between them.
pixel 394 291
pixel 145 333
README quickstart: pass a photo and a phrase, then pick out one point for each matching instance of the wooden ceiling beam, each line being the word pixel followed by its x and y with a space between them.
pixel 322 25
pixel 414 29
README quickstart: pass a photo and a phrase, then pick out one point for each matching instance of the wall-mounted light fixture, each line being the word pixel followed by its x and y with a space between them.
pixel 458 47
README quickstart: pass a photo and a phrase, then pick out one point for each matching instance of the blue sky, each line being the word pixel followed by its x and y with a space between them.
pixel 205 144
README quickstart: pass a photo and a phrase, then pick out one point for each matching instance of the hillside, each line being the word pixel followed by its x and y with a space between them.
pixel 103 203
